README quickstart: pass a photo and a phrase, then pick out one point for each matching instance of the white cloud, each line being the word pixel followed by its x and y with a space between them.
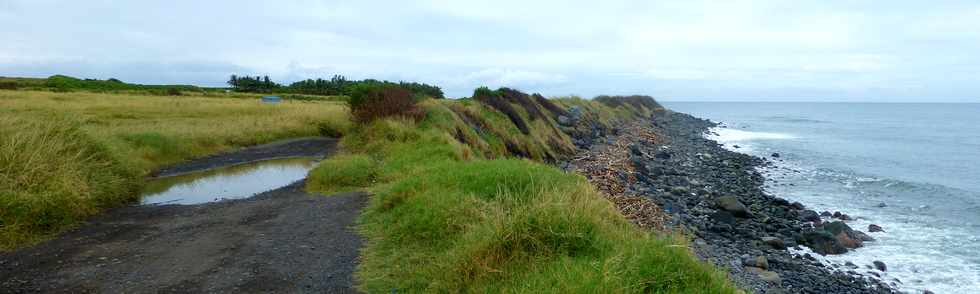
pixel 764 49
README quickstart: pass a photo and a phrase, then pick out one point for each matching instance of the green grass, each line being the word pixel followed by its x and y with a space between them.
pixel 451 211
pixel 344 172
pixel 67 156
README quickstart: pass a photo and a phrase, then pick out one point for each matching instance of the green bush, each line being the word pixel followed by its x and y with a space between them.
pixel 369 102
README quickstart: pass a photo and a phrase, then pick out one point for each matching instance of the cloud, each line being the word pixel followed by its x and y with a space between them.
pixel 742 49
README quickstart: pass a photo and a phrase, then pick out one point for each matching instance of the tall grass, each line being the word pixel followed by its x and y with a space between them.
pixel 445 217
pixel 66 156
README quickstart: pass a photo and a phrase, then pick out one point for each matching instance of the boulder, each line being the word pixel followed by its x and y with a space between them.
pixel 845 236
pixel 880 265
pixel 823 242
pixel 875 228
pixel 775 155
pixel 797 205
pixel 758 261
pixel 565 121
pixel 770 277
pixel 809 216
pixel 723 217
pixel 826 214
pixel 774 242
pixel 732 205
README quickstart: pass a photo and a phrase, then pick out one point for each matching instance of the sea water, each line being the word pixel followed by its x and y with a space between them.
pixel 913 169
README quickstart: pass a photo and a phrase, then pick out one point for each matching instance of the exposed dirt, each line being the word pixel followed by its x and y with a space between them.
pixel 283 240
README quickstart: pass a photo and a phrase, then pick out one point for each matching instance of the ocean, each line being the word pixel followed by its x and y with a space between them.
pixel 912 168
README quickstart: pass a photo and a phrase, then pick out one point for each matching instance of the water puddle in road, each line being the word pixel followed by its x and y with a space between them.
pixel 239 181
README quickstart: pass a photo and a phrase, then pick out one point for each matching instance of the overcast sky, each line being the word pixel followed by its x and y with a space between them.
pixel 674 50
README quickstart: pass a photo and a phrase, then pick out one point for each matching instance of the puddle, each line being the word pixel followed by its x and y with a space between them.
pixel 240 181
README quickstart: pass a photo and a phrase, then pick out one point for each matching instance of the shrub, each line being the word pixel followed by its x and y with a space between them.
pixel 174 92
pixel 369 102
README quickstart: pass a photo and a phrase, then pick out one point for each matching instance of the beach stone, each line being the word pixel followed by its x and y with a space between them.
pixel 774 242
pixel 565 121
pixel 723 217
pixel 754 270
pixel 771 277
pixel 875 228
pixel 732 205
pixel 757 261
pixel 797 205
pixel 880 265
pixel 775 155
pixel 809 216
pixel 826 213
pixel 823 242
pixel 845 236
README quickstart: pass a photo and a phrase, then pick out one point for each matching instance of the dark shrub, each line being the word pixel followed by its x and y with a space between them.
pixel 551 107
pixel 495 100
pixel 174 92
pixel 8 85
pixel 637 101
pixel 524 100
pixel 369 102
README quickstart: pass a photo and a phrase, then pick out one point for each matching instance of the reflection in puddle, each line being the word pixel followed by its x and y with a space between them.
pixel 240 181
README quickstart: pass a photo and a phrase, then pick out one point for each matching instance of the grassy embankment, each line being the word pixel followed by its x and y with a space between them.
pixel 453 210
pixel 66 156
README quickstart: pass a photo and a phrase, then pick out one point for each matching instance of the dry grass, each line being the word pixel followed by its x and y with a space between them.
pixel 156 130
pixel 66 156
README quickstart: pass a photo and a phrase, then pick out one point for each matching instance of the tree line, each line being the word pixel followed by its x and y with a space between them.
pixel 335 86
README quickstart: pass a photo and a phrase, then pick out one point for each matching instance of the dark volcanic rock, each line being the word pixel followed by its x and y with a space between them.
pixel 723 217
pixel 823 242
pixel 711 191
pixel 880 265
pixel 774 242
pixel 809 216
pixel 845 236
pixel 732 205
pixel 875 228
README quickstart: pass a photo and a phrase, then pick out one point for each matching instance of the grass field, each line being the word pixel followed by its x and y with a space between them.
pixel 453 211
pixel 66 156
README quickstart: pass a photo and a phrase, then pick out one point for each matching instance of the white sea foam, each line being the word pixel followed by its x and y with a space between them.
pixel 919 252
pixel 730 137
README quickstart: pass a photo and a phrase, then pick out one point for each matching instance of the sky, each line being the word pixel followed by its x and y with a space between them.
pixel 763 50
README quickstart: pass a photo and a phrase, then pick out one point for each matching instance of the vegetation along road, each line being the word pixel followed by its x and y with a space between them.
pixel 279 241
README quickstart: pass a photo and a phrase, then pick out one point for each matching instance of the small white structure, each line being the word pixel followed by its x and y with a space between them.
pixel 271 99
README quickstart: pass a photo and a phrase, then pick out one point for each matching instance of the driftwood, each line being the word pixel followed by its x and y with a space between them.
pixel 609 169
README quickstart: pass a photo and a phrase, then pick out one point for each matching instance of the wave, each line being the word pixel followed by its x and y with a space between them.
pixel 725 135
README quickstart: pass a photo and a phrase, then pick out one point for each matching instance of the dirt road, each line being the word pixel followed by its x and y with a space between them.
pixel 279 241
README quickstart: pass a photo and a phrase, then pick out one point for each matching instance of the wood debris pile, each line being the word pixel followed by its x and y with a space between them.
pixel 609 169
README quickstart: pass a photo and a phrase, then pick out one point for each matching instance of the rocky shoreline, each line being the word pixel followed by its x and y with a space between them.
pixel 717 197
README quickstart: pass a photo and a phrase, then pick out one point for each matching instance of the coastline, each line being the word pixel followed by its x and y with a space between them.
pixel 717 197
